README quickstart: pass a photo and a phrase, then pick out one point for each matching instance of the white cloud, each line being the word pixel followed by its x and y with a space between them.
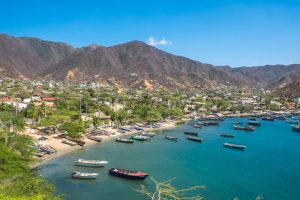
pixel 163 42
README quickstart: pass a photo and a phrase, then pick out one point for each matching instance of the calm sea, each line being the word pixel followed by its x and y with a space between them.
pixel 269 167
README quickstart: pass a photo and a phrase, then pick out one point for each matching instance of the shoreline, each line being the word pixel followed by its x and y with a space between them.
pixel 63 149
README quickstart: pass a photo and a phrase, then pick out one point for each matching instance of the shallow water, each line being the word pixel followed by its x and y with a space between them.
pixel 269 167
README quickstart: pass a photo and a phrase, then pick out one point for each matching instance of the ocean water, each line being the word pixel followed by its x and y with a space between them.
pixel 269 167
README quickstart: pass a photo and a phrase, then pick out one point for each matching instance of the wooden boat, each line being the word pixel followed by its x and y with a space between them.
pixel 68 142
pixel 237 123
pixel 138 128
pixel 130 174
pixel 254 123
pixel 196 139
pixel 90 163
pixel 197 126
pixel 47 149
pixel 84 175
pixel 124 140
pixel 140 137
pixel 235 146
pixel 149 134
pixel 125 128
pixel 191 133
pixel 171 138
pixel 77 141
pixel 252 118
pixel 296 128
pixel 94 138
pixel 291 122
pixel 267 118
pixel 40 154
pixel 244 128
pixel 227 135
pixel 211 123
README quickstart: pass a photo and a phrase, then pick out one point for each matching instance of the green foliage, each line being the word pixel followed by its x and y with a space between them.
pixel 73 129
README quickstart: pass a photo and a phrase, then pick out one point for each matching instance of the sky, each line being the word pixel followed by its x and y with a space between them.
pixel 219 32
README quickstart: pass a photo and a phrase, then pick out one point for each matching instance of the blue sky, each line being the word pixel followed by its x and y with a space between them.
pixel 224 32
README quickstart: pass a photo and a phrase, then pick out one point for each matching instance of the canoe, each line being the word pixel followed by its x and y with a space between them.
pixel 129 174
pixel 171 138
pixel 84 175
pixel 235 146
pixel 90 163
pixel 191 133
pixel 195 139
pixel 124 140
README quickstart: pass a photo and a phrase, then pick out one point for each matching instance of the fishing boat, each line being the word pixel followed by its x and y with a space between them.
pixel 267 118
pixel 68 142
pixel 197 126
pixel 196 139
pixel 252 118
pixel 47 149
pixel 211 123
pixel 125 128
pixel 296 128
pixel 149 134
pixel 191 133
pixel 235 146
pixel 171 138
pixel 84 175
pixel 94 138
pixel 130 174
pixel 227 135
pixel 90 163
pixel 237 123
pixel 254 123
pixel 244 128
pixel 140 137
pixel 138 128
pixel 291 122
pixel 124 140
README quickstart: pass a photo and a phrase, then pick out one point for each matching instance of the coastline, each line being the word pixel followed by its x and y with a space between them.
pixel 63 149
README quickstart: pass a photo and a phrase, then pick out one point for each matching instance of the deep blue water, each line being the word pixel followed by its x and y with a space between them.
pixel 269 167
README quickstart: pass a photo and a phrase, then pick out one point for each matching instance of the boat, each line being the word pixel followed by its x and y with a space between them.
pixel 252 118
pixel 90 163
pixel 235 146
pixel 91 137
pixel 237 123
pixel 171 138
pixel 47 149
pixel 138 128
pixel 140 137
pixel 227 135
pixel 130 174
pixel 68 142
pixel 197 126
pixel 196 139
pixel 124 140
pixel 149 134
pixel 254 123
pixel 211 123
pixel 291 122
pixel 244 128
pixel 296 128
pixel 84 175
pixel 125 128
pixel 267 118
pixel 191 133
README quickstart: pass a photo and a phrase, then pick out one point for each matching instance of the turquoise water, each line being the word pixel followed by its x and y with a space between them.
pixel 269 167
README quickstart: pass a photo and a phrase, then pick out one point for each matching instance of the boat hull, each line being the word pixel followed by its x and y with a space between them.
pixel 88 164
pixel 142 177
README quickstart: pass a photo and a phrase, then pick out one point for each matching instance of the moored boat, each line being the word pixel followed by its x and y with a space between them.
pixel 267 118
pixel 235 146
pixel 291 122
pixel 197 126
pixel 94 138
pixel 130 174
pixel 296 128
pixel 244 128
pixel 140 137
pixel 124 140
pixel 84 175
pixel 252 118
pixel 90 163
pixel 227 135
pixel 191 133
pixel 149 134
pixel 196 139
pixel 254 123
pixel 171 138
pixel 237 123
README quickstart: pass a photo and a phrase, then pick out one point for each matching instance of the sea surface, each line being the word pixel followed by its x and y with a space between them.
pixel 269 167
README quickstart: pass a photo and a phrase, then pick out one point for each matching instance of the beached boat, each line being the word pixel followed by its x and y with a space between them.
pixel 149 134
pixel 171 138
pixel 84 175
pixel 254 123
pixel 227 135
pixel 196 139
pixel 68 142
pixel 244 128
pixel 140 137
pixel 191 133
pixel 94 138
pixel 296 128
pixel 90 163
pixel 138 128
pixel 124 140
pixel 47 149
pixel 130 174
pixel 125 128
pixel 235 146
pixel 197 126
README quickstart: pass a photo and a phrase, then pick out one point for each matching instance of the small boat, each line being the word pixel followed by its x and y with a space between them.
pixel 227 135
pixel 90 163
pixel 237 123
pixel 254 123
pixel 197 126
pixel 138 128
pixel 149 134
pixel 211 123
pixel 84 175
pixel 125 128
pixel 140 137
pixel 296 128
pixel 40 154
pixel 267 118
pixel 196 139
pixel 68 142
pixel 235 146
pixel 291 122
pixel 94 138
pixel 47 149
pixel 191 133
pixel 244 128
pixel 171 138
pixel 252 118
pixel 124 140
pixel 130 174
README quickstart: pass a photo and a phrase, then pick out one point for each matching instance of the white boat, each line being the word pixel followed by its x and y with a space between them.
pixel 84 175
pixel 69 142
pixel 149 134
pixel 90 163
